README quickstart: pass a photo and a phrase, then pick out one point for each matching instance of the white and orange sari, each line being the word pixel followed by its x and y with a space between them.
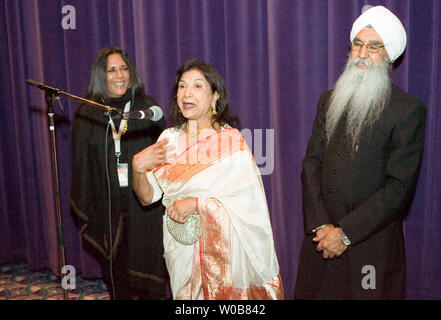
pixel 235 256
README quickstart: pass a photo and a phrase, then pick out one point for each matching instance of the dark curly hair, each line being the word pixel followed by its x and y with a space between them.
pixel 217 84
pixel 97 88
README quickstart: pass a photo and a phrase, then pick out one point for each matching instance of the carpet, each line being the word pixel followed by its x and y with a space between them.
pixel 17 282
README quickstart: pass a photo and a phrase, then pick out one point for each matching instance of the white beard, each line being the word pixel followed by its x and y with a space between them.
pixel 362 94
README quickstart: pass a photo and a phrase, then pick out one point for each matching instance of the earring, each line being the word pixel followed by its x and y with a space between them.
pixel 213 109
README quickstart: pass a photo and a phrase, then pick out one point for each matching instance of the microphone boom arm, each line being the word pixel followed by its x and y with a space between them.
pixel 57 92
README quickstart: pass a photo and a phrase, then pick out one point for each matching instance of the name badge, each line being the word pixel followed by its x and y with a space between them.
pixel 123 174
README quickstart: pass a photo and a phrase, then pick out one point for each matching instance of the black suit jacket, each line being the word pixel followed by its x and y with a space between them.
pixel 366 191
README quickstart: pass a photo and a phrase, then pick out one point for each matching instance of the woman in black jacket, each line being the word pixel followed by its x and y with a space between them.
pixel 131 254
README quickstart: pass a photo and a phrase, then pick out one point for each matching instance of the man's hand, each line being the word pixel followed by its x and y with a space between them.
pixel 329 241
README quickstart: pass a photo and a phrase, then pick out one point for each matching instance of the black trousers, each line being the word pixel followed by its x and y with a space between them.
pixel 120 288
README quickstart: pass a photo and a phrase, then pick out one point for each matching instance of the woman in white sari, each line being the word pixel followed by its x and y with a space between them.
pixel 218 241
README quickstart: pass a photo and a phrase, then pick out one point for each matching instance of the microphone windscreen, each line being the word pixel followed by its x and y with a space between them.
pixel 157 113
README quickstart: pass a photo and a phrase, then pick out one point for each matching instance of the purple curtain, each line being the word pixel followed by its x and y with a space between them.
pixel 276 56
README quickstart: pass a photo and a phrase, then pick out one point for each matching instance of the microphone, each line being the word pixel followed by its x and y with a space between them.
pixel 153 113
pixel 43 86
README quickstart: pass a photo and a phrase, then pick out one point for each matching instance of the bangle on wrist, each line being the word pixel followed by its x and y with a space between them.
pixel 197 205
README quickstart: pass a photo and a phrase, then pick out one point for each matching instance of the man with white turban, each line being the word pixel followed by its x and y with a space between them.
pixel 360 171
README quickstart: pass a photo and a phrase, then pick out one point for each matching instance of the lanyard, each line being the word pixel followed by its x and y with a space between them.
pixel 117 134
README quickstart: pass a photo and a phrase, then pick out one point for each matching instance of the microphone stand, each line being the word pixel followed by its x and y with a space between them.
pixel 50 95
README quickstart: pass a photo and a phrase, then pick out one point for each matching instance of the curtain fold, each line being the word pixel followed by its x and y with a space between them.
pixel 276 57
pixel 423 223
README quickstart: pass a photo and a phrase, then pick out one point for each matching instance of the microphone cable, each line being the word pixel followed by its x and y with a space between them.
pixel 110 210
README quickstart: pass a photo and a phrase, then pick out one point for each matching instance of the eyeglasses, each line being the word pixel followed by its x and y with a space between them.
pixel 372 48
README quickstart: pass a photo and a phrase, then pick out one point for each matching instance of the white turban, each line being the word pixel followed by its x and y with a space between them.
pixel 388 27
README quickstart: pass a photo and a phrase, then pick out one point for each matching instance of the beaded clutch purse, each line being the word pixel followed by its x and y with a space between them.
pixel 188 232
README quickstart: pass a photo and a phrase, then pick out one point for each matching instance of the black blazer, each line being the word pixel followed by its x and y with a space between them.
pixel 366 190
